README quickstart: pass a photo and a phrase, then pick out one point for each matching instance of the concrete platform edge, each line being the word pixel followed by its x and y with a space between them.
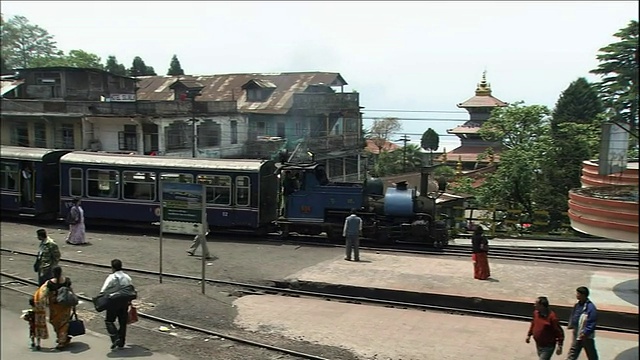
pixel 605 318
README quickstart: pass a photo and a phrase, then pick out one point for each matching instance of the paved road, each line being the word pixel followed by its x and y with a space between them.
pixel 15 344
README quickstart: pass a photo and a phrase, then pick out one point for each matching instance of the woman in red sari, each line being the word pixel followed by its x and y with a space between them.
pixel 480 249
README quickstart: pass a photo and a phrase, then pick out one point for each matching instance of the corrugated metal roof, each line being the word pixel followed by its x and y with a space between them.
pixel 228 87
pixel 8 85
pixel 159 162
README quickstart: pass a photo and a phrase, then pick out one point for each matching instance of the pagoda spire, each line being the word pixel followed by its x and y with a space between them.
pixel 483 88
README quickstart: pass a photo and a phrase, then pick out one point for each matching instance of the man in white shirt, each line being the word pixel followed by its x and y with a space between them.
pixel 118 309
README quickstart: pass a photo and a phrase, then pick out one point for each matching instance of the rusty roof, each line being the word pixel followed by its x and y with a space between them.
pixel 482 101
pixel 462 129
pixel 228 87
pixel 374 149
pixel 469 153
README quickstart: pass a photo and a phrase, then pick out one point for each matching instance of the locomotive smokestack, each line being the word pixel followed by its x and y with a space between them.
pixel 401 185
pixel 424 181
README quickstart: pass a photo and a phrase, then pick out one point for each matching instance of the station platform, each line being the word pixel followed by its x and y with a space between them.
pixel 515 285
pixel 15 344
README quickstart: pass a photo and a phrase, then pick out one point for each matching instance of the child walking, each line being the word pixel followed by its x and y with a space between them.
pixel 30 317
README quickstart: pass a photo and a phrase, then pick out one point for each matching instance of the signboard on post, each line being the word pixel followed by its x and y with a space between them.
pixel 183 211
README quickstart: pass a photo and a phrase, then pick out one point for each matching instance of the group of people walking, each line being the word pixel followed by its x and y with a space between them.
pixel 56 295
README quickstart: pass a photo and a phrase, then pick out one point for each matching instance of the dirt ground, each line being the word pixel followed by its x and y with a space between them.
pixel 179 301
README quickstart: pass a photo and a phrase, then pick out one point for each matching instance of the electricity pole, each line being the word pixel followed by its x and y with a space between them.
pixel 192 93
pixel 405 138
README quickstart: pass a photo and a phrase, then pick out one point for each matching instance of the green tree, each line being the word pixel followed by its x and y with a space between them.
pixel 24 42
pixel 430 141
pixel 113 66
pixel 3 66
pixel 618 69
pixel 524 135
pixel 579 103
pixel 75 58
pixel 175 68
pixel 139 68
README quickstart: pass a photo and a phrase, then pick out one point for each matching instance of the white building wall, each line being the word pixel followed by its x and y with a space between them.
pixel 226 149
pixel 105 131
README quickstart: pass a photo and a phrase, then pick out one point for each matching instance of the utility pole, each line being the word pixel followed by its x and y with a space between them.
pixel 405 138
pixel 192 93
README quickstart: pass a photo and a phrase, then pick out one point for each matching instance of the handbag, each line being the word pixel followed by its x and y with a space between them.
pixel 66 297
pixel 100 302
pixel 125 293
pixel 76 326
pixel 132 315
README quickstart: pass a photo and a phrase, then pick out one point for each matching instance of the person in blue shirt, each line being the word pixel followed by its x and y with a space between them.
pixel 583 322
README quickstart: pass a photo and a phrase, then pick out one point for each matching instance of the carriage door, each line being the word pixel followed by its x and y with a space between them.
pixel 27 185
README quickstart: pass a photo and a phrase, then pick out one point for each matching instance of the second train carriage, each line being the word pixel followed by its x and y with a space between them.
pixel 240 194
pixel 29 181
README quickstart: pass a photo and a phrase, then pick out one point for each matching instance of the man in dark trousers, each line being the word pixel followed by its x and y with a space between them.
pixel 583 323
pixel 351 232
pixel 47 258
pixel 545 329
pixel 117 309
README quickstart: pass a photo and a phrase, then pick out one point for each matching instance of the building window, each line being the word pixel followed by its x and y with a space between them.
pixel 40 134
pixel 243 187
pixel 9 176
pixel 102 183
pixel 177 136
pixel 280 130
pixel 209 134
pixel 139 185
pixel 255 94
pixel 218 188
pixel 19 135
pixel 299 129
pixel 234 132
pixel 128 139
pixel 179 178
pixel 261 128
pixel 75 182
pixel 67 136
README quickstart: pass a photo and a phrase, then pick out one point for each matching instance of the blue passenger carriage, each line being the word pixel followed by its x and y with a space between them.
pixel 29 181
pixel 240 194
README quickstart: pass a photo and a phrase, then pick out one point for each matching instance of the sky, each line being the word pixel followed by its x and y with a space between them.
pixel 421 57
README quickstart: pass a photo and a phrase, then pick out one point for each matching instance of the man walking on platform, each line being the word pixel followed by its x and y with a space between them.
pixel 48 257
pixel 583 323
pixel 546 330
pixel 201 240
pixel 117 309
pixel 351 232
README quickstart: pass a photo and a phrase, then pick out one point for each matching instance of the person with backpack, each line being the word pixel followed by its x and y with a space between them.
pixel 56 294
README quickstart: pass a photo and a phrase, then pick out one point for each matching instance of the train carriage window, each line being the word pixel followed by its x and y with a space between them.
pixel 179 178
pixel 9 176
pixel 75 182
pixel 243 190
pixel 218 188
pixel 138 185
pixel 103 183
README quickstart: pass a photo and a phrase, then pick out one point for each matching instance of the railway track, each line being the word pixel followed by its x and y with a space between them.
pixel 174 323
pixel 281 289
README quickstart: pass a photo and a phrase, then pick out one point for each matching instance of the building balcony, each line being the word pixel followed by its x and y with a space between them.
pixel 606 211
pixel 590 176
pixel 326 101
pixel 335 143
pixel 97 108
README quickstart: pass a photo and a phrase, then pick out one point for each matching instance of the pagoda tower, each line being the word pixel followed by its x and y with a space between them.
pixel 471 144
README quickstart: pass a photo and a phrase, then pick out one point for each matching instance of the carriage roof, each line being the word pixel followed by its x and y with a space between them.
pixel 162 162
pixel 26 153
